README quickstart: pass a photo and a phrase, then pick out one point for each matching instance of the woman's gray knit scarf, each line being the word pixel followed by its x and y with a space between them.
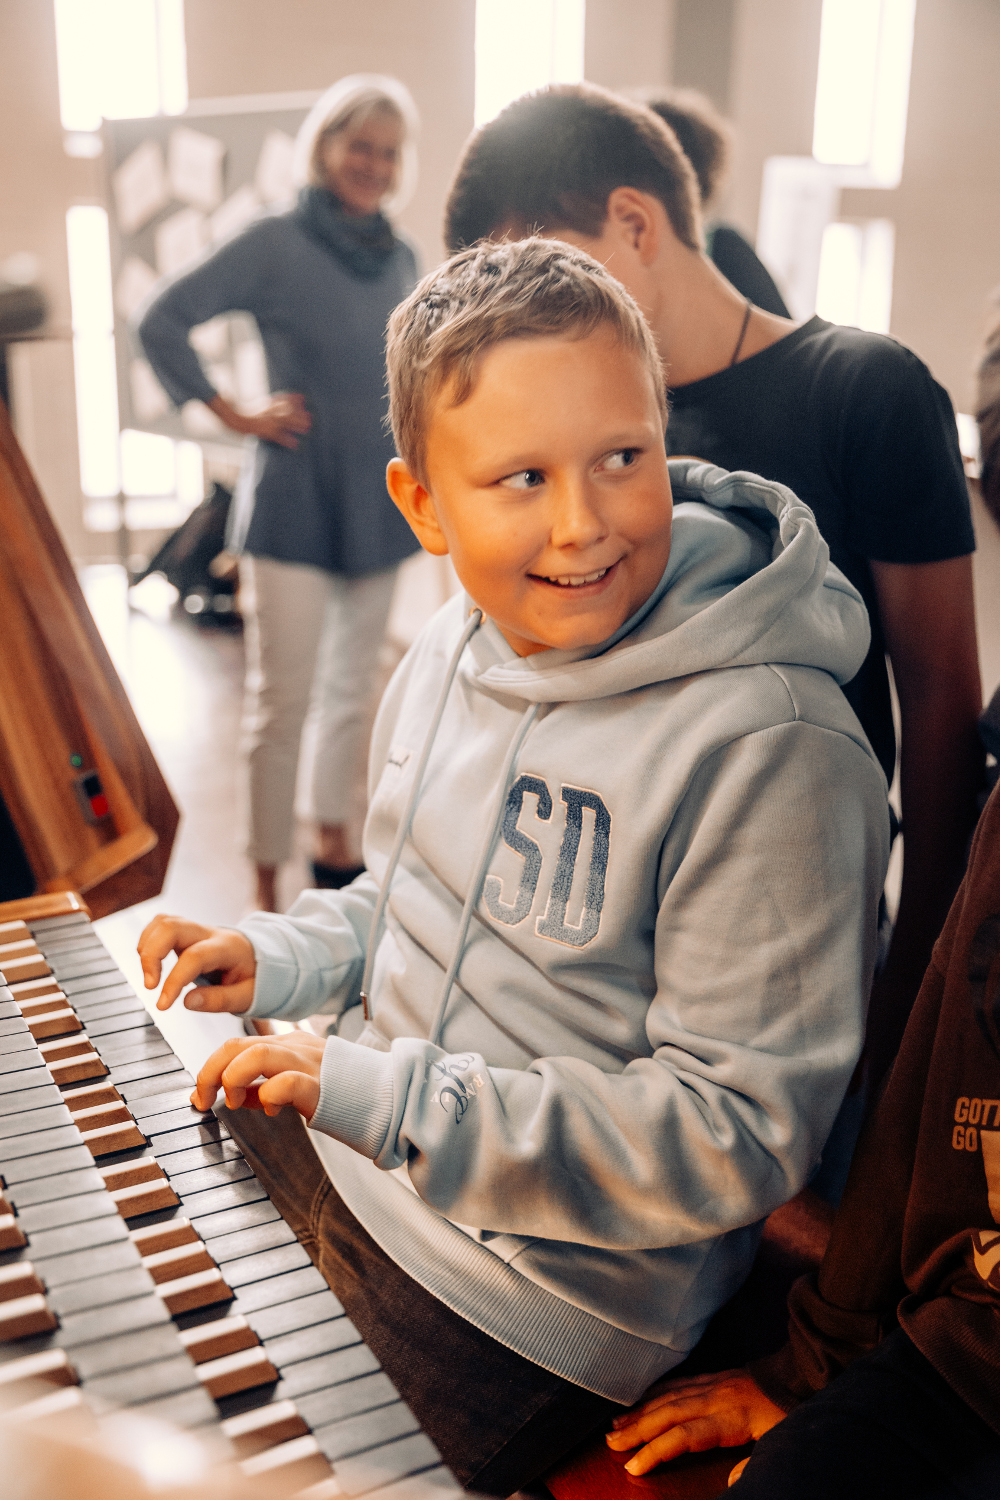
pixel 362 245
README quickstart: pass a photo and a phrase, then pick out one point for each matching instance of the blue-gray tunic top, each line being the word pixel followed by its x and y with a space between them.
pixel 323 330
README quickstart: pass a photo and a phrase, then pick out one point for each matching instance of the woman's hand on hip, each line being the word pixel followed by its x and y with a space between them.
pixel 283 420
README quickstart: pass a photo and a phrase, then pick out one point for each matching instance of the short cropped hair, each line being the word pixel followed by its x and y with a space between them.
pixel 533 288
pixel 705 137
pixel 552 159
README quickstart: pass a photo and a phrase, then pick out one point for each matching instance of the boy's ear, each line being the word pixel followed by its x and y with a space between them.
pixel 416 504
pixel 632 214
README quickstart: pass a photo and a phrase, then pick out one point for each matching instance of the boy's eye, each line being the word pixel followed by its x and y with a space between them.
pixel 524 479
pixel 622 458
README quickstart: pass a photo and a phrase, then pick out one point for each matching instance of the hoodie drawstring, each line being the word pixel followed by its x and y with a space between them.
pixel 476 884
pixel 475 620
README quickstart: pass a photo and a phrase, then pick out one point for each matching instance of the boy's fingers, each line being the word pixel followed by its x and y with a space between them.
pixel 695 1386
pixel 737 1472
pixel 237 1065
pixel 647 1425
pixel 296 1089
pixel 210 953
pixel 163 935
pixel 260 1059
pixel 690 1437
pixel 691 1383
pixel 209 1078
pixel 184 972
pixel 663 1398
pixel 235 998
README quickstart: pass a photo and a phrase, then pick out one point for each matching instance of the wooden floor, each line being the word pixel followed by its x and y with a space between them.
pixel 186 684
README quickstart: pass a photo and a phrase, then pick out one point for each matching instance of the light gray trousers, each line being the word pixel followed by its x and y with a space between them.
pixel 312 639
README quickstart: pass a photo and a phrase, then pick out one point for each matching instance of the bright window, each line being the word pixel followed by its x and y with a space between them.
pixel 523 45
pixel 149 463
pixel 863 86
pixel 93 349
pixel 855 274
pixel 119 59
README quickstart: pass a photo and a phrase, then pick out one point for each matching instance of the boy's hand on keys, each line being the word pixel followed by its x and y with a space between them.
pixel 290 1066
pixel 691 1416
pixel 200 950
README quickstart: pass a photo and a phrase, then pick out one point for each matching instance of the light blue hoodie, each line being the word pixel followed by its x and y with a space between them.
pixel 578 1097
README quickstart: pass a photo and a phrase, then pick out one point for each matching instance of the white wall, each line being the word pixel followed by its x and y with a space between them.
pixel 38 181
pixel 947 207
pixel 629 44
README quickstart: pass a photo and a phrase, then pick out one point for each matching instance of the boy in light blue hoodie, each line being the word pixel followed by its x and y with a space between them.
pixel 602 986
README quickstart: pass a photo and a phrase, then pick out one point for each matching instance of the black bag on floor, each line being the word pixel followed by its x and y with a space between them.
pixel 186 556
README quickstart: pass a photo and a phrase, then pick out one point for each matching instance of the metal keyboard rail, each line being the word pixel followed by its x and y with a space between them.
pixel 141 1262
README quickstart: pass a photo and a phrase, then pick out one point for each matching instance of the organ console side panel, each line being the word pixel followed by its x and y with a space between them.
pixel 89 803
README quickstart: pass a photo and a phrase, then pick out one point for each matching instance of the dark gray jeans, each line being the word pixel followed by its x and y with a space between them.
pixel 498 1421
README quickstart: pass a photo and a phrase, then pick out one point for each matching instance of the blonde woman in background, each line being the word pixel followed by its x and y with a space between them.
pixel 319 539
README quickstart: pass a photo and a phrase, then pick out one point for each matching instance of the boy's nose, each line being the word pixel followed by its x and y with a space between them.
pixel 576 520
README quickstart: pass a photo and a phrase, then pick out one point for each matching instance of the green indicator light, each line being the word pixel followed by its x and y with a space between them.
pixel 76 760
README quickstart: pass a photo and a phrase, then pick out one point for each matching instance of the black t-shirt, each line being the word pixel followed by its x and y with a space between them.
pixel 858 428
pixel 740 264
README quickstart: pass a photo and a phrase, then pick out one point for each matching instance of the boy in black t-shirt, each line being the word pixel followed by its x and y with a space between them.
pixel 851 421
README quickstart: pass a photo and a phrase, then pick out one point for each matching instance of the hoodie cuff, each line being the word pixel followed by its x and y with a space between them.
pixel 355 1096
pixel 281 978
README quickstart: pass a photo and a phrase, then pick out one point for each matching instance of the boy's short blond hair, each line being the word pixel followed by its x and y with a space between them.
pixel 531 288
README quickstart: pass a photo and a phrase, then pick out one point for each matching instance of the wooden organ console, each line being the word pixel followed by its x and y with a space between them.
pixel 142 1264
pixel 88 804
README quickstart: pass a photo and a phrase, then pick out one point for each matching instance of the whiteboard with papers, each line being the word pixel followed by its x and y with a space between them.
pixel 177 186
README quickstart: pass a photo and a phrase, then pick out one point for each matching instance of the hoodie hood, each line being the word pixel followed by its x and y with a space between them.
pixel 749 581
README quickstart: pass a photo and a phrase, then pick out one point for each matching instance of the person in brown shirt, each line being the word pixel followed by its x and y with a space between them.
pixel 890 1382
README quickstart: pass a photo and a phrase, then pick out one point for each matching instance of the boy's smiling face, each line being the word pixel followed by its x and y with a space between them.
pixel 548 487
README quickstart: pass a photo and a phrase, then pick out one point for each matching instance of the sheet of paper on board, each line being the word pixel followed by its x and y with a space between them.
pixel 273 178
pixel 235 214
pixel 136 280
pixel 179 240
pixel 140 187
pixel 194 166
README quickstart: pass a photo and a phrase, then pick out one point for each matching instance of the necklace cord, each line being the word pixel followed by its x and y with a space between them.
pixel 743 333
